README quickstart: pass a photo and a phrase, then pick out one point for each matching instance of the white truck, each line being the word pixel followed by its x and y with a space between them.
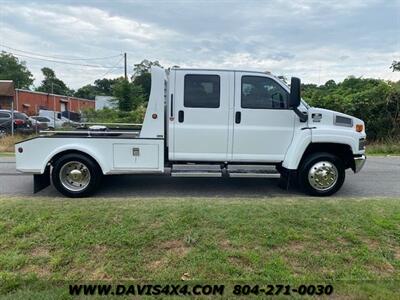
pixel 207 122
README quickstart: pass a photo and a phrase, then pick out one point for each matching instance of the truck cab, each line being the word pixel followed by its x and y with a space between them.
pixel 206 122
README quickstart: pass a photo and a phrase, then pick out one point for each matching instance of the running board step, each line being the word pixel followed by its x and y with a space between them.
pixel 195 174
pixel 190 170
pixel 252 175
pixel 253 171
pixel 231 171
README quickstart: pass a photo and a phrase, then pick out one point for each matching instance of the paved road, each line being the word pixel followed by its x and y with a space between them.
pixel 380 177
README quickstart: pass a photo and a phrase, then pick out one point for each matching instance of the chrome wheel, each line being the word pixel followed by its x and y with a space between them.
pixel 74 176
pixel 323 175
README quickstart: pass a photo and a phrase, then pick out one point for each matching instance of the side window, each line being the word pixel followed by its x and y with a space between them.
pixel 202 91
pixel 4 115
pixel 263 93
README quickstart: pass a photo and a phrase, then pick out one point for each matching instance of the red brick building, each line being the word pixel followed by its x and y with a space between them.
pixel 31 102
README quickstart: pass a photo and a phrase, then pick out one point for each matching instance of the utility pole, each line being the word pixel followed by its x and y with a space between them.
pixel 54 105
pixel 12 118
pixel 126 72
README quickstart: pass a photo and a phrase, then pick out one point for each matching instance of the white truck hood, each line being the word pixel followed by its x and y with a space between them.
pixel 325 117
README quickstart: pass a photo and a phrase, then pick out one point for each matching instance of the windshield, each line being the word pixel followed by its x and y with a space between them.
pixel 41 119
pixel 305 103
pixel 20 116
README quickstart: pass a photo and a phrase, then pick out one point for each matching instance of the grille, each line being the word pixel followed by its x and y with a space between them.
pixel 361 144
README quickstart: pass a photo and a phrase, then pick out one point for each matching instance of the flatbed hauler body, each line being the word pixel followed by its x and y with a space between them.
pixel 207 123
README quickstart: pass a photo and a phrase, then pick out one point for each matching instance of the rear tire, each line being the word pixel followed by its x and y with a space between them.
pixel 321 174
pixel 76 175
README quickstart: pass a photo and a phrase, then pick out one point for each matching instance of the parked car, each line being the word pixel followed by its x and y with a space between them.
pixel 49 123
pixel 37 125
pixel 55 118
pixel 22 124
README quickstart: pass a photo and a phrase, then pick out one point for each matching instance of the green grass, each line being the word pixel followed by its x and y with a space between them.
pixel 384 148
pixel 352 243
pixel 7 154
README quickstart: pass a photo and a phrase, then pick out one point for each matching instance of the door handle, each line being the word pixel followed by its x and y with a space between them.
pixel 238 117
pixel 172 106
pixel 181 116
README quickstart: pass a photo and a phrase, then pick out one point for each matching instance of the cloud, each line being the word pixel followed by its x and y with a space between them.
pixel 313 39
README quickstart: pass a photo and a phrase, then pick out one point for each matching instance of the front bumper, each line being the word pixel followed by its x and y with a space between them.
pixel 359 163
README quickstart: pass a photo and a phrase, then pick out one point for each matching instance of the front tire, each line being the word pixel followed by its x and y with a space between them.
pixel 76 175
pixel 321 174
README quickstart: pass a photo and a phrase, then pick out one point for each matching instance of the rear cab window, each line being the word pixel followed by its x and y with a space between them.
pixel 202 91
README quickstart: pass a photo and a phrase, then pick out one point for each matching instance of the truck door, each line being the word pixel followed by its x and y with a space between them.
pixel 200 115
pixel 263 125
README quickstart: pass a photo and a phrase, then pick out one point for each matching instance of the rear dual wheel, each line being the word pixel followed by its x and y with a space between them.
pixel 76 175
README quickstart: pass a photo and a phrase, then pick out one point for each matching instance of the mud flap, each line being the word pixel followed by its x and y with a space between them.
pixel 41 181
pixel 288 179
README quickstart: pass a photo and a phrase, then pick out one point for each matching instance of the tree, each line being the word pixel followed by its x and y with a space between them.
pixel 144 82
pixel 144 67
pixel 104 86
pixel 51 84
pixel 142 77
pixel 375 101
pixel 330 84
pixel 87 91
pixel 127 95
pixel 12 69
pixel 395 65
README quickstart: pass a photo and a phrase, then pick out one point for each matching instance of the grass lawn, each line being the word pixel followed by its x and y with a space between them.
pixel 354 244
pixel 383 148
pixel 7 154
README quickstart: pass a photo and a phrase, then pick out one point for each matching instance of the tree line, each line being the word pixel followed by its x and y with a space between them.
pixel 131 92
pixel 375 101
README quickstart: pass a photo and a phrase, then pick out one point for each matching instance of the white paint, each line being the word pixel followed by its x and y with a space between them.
pixel 263 135
pixel 206 134
pixel 203 136
pixel 106 152
pixel 154 120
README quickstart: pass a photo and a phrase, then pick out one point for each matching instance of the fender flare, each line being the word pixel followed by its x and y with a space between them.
pixel 296 149
pixel 77 149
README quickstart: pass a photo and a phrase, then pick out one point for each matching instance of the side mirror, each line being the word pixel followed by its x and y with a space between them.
pixel 294 100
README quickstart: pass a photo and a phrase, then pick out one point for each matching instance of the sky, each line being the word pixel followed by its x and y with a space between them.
pixel 313 40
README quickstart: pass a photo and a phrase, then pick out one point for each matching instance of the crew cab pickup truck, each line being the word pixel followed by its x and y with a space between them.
pixel 206 122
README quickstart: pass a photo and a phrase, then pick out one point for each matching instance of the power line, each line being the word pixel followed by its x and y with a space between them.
pixel 115 67
pixel 108 72
pixel 59 57
pixel 64 62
